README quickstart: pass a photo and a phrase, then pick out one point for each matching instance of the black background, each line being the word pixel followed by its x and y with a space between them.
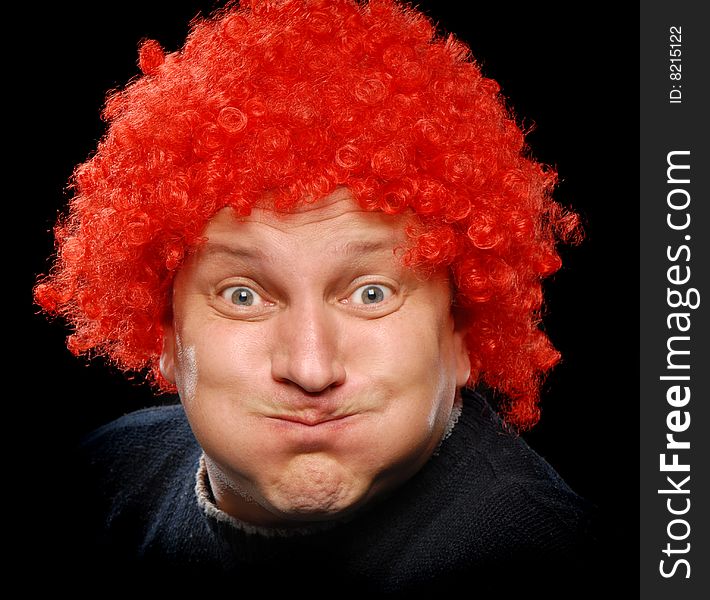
pixel 569 72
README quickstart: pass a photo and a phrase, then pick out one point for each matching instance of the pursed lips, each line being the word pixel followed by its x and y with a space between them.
pixel 310 420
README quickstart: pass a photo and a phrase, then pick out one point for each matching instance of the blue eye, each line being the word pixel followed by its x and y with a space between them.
pixel 241 296
pixel 371 294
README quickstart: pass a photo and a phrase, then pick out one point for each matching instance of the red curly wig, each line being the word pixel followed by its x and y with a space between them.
pixel 299 97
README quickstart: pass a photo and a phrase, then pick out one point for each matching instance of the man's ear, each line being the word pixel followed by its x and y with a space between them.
pixel 167 355
pixel 463 360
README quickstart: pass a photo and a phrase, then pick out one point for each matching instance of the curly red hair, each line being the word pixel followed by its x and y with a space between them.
pixel 299 97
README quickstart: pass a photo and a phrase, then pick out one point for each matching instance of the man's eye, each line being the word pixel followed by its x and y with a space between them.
pixel 370 294
pixel 241 296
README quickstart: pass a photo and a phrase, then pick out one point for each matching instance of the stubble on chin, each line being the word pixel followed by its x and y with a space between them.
pixel 312 487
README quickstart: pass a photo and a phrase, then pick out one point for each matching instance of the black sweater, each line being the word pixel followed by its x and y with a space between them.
pixel 485 512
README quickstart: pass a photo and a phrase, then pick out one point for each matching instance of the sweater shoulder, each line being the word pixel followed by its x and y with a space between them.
pixel 144 423
pixel 519 489
pixel 133 449
pixel 502 454
pixel 134 488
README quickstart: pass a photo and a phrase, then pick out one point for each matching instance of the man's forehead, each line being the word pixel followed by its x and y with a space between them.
pixel 334 214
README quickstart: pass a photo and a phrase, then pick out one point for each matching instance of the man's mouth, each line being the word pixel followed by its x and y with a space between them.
pixel 311 420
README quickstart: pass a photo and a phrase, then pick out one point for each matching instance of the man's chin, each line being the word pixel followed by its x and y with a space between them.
pixel 315 492
pixel 309 507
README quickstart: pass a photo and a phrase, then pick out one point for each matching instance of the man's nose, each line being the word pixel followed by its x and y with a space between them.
pixel 306 352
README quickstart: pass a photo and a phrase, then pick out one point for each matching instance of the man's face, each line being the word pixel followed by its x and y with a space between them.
pixel 316 372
